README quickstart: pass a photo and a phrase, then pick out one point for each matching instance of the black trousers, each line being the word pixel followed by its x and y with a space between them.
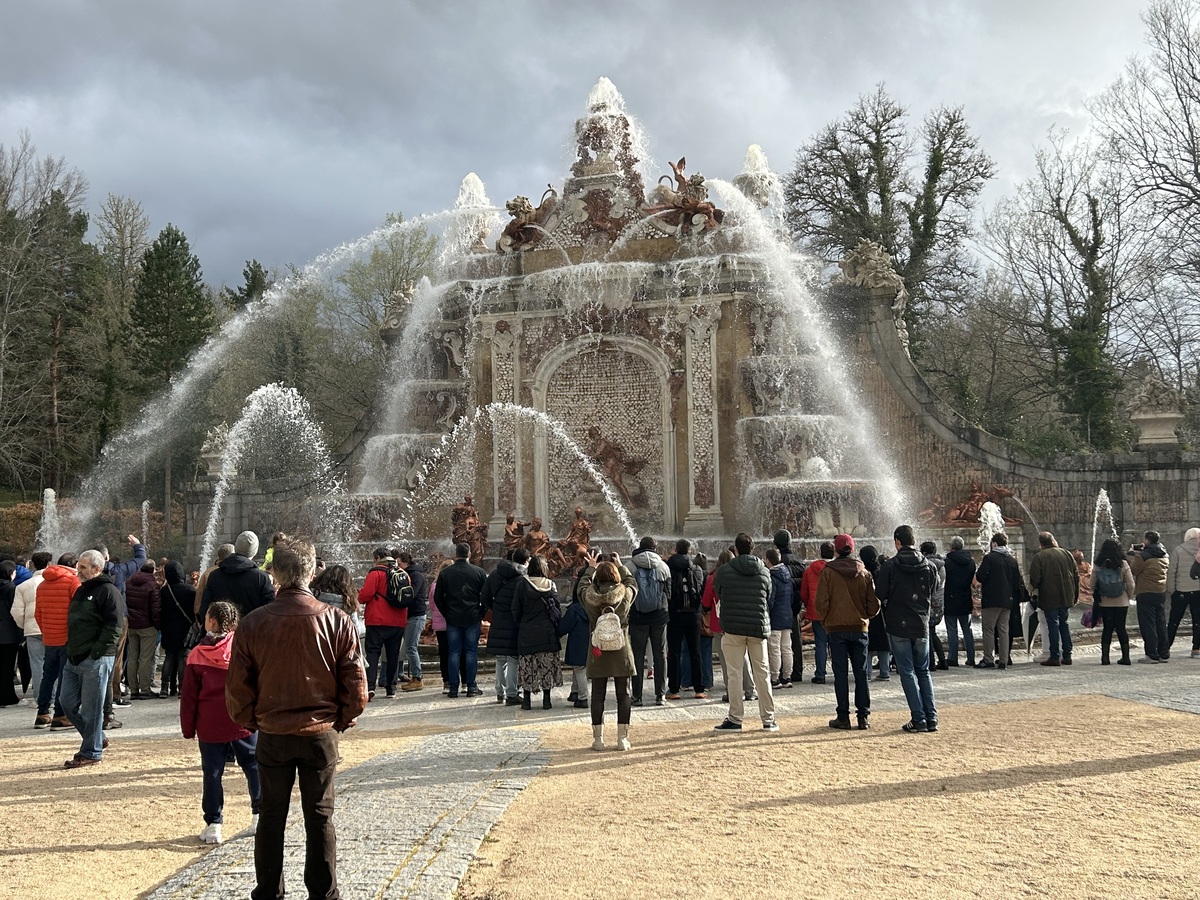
pixel 935 642
pixel 656 634
pixel 1152 622
pixel 281 758
pixel 683 627
pixel 1184 602
pixel 624 703
pixel 1114 620
pixel 383 637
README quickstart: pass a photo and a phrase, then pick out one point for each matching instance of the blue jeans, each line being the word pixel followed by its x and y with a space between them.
pixel 212 763
pixel 706 664
pixel 408 647
pixel 52 670
pixel 848 650
pixel 912 662
pixel 464 643
pixel 820 649
pixel 953 625
pixel 82 695
pixel 1058 628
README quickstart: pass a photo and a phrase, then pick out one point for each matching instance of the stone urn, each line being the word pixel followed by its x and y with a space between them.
pixel 1157 426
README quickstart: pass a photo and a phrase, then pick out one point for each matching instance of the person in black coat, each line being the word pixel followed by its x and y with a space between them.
pixel 238 580
pixel 877 637
pixel 178 600
pixel 577 628
pixel 960 571
pixel 537 613
pixel 11 634
pixel 497 596
pixel 683 606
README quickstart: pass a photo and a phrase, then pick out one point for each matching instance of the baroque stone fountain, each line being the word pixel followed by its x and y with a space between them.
pixel 663 340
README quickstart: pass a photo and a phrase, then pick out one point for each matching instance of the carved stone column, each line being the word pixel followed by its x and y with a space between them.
pixel 505 458
pixel 704 483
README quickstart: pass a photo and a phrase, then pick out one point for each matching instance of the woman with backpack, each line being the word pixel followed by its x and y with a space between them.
pixel 608 590
pixel 536 611
pixel 1112 585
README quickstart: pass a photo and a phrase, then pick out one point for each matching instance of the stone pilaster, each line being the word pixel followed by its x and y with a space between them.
pixel 505 381
pixel 704 483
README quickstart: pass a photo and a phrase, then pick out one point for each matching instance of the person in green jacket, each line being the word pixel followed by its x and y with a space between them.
pixel 1054 578
pixel 743 589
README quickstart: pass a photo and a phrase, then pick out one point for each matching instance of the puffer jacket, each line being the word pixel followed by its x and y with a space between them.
pixel 846 598
pixel 960 569
pixel 536 632
pixel 296 668
pixel 808 588
pixel 577 629
pixel 1179 567
pixel 59 584
pixel 143 601
pixel 905 587
pixel 781 598
pixel 202 711
pixel 238 580
pixel 743 589
pixel 1149 569
pixel 498 593
pixel 610 663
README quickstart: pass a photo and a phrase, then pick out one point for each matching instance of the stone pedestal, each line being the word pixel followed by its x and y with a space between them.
pixel 1157 427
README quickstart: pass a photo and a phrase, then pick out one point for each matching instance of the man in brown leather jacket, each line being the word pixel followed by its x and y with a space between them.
pixel 296 677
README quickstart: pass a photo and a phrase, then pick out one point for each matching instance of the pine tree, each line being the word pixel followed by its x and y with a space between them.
pixel 172 312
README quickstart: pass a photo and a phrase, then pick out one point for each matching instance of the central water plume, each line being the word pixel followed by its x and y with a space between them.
pixel 275 437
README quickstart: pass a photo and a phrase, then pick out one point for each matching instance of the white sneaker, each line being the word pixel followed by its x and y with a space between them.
pixel 211 834
pixel 253 829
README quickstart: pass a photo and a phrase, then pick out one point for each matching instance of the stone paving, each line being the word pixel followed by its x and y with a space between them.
pixel 409 823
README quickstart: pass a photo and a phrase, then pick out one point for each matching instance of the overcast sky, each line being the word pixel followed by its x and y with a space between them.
pixel 275 130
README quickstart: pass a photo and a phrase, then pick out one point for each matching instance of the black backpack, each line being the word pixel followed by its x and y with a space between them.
pixel 399 586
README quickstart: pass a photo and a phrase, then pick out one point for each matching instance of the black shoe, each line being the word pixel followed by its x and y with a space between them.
pixel 1002 666
pixel 863 724
pixel 953 663
pixel 122 703
pixel 546 704
pixel 582 704
pixel 1066 660
pixel 453 695
pixel 1124 661
pixel 370 696
pixel 914 727
pixel 513 701
pixel 985 664
pixel 474 692
pixel 658 701
pixel 391 693
pixel 637 701
pixel 526 704
pixel 817 679
pixel 727 725
pixel 943 666
pixel 724 698
pixel 840 724
pixel 573 696
pixel 931 725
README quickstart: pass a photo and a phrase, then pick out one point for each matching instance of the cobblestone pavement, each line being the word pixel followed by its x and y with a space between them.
pixel 408 823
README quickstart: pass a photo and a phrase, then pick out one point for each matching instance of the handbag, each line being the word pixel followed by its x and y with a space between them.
pixel 1091 617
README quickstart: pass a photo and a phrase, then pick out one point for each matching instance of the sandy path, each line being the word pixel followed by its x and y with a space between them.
pixel 120 828
pixel 1073 797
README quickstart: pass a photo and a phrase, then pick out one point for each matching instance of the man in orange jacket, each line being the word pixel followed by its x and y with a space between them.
pixel 59 584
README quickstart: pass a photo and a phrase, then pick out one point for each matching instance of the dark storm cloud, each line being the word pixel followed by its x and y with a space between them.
pixel 276 130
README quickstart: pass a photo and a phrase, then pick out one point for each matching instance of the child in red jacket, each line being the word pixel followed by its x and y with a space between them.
pixel 202 715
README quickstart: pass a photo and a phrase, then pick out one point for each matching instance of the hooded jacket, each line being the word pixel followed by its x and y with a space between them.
pixel 142 601
pixel 202 711
pixel 1179 567
pixel 536 631
pixel 498 593
pixel 808 588
pixel 178 600
pixel 94 620
pixel 650 562
pixel 781 598
pixel 577 628
pixel 846 598
pixel 743 589
pixel 905 588
pixel 1149 569
pixel 59 584
pixel 687 584
pixel 120 572
pixel 1054 577
pixel 960 569
pixel 238 580
pixel 609 663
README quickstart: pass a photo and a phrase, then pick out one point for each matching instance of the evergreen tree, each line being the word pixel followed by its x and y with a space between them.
pixel 172 312
pixel 257 281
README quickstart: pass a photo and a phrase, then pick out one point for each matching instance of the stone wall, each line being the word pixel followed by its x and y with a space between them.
pixel 938 454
